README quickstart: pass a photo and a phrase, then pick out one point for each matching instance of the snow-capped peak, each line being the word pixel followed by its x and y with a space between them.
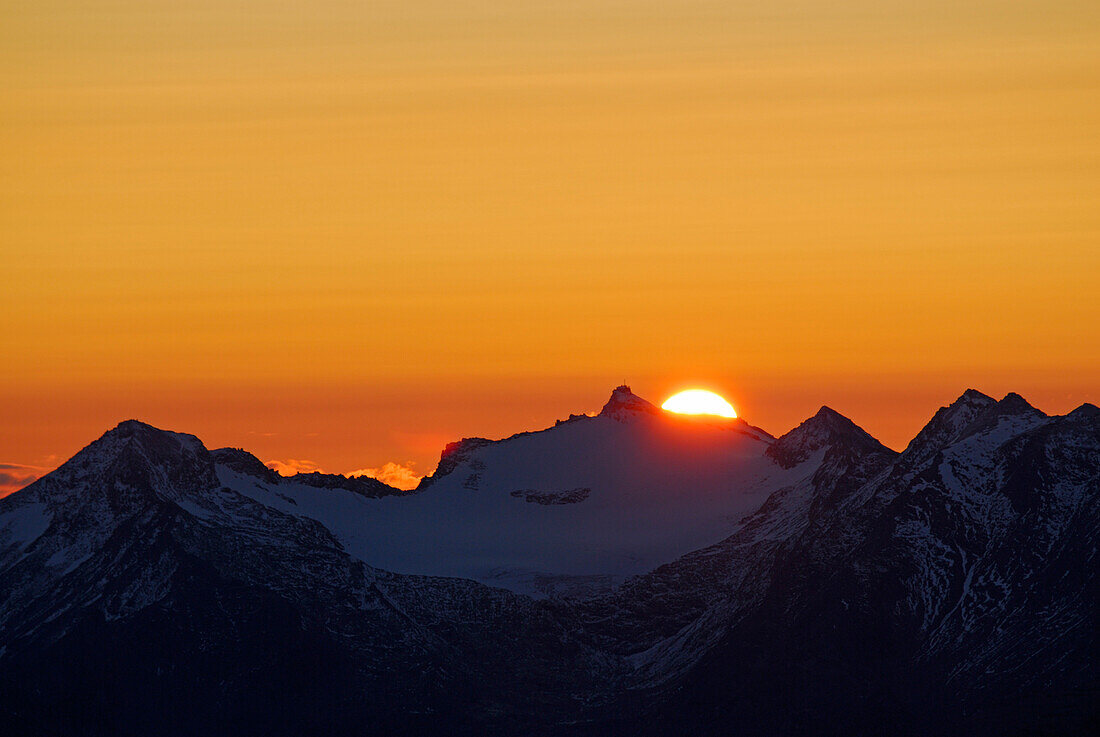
pixel 972 415
pixel 947 425
pixel 1012 408
pixel 827 428
pixel 128 467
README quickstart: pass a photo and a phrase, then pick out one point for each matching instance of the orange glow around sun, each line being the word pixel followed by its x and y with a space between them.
pixel 699 402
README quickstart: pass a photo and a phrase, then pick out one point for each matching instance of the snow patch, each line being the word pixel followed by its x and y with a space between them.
pixel 657 490
pixel 23 525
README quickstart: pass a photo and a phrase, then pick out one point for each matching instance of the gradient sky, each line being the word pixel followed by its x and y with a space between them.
pixel 344 233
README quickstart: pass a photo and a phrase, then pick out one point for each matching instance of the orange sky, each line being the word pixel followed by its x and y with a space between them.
pixel 345 233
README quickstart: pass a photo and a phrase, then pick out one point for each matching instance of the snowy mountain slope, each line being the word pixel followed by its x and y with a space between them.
pixel 584 503
pixel 675 613
pixel 956 585
pixel 131 567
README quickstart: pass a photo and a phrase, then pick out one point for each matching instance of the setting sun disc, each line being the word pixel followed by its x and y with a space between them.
pixel 699 402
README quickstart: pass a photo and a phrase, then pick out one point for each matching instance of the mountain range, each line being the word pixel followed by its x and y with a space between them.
pixel 632 572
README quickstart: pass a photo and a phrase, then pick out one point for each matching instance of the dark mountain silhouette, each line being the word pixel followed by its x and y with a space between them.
pixel 152 586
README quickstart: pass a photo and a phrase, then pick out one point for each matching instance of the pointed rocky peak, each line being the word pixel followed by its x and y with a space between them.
pixel 826 429
pixel 625 404
pixel 973 397
pixel 136 460
pixel 1015 404
pixel 1086 412
pixel 829 418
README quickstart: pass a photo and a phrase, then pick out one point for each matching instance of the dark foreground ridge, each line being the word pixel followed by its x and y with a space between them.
pixel 948 589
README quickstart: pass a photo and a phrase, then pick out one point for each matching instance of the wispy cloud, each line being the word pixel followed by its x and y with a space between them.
pixel 291 466
pixel 14 476
pixel 400 476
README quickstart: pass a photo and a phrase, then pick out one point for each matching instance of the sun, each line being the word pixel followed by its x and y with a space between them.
pixel 699 402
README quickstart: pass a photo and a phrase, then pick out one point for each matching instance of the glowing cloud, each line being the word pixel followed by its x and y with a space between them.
pixel 394 474
pixel 14 476
pixel 291 466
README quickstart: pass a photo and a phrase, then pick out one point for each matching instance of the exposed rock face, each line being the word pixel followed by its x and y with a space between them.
pixel 568 496
pixel 364 485
pixel 454 454
pixel 948 589
pixel 244 462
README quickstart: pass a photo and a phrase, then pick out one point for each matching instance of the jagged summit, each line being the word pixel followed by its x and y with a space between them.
pixel 972 414
pixel 827 428
pixel 973 396
pixel 1012 404
pixel 624 404
pixel 947 423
